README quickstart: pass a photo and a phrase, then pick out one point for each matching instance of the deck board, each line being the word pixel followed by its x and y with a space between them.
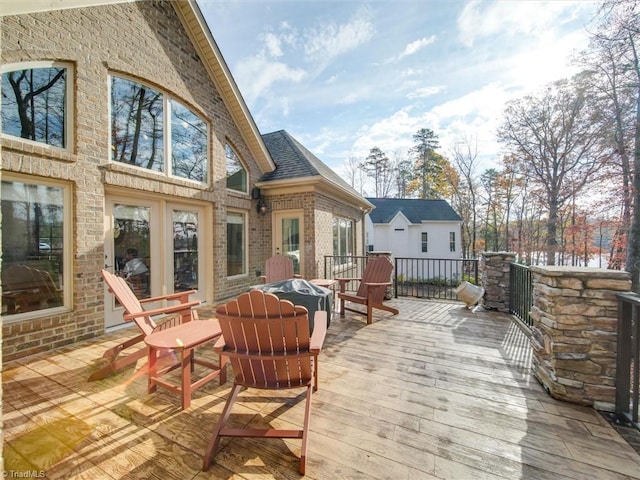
pixel 436 392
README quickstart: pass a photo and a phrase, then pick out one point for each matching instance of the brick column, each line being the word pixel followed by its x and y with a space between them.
pixel 574 332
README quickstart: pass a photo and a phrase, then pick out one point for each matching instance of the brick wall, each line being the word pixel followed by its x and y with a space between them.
pixel 146 41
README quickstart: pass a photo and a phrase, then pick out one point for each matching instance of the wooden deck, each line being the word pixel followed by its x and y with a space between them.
pixel 435 392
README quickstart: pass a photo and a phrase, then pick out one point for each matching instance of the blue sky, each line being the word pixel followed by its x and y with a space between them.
pixel 346 76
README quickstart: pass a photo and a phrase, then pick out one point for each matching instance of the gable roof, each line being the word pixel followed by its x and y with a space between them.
pixel 296 165
pixel 415 210
pixel 196 27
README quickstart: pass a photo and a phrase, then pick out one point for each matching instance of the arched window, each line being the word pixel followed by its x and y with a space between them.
pixel 151 130
pixel 236 173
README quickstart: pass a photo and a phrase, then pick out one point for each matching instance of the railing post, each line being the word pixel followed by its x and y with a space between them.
pixel 627 309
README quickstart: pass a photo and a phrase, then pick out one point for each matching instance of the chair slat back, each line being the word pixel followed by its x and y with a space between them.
pixel 278 268
pixel 376 271
pixel 120 289
pixel 267 340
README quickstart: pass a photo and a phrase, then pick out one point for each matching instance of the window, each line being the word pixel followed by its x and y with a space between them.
pixel 343 242
pixel 236 173
pixel 425 242
pixel 236 249
pixel 34 276
pixel 185 250
pixel 146 124
pixel 452 241
pixel 35 104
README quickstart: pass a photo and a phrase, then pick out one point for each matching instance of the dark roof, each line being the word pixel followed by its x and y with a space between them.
pixel 416 210
pixel 293 160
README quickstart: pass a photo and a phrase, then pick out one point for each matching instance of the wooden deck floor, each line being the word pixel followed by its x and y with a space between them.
pixel 435 392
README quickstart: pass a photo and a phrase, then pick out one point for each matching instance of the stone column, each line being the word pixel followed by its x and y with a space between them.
pixel 574 332
pixel 494 278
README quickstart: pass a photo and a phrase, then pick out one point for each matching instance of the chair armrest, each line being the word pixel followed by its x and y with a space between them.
pixel 297 275
pixel 218 347
pixel 372 284
pixel 319 331
pixel 162 310
pixel 343 282
pixel 170 296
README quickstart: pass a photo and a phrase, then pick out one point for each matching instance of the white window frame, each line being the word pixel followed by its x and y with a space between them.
pixel 352 223
pixel 424 242
pixel 227 145
pixel 245 243
pixel 67 248
pixel 69 123
pixel 167 97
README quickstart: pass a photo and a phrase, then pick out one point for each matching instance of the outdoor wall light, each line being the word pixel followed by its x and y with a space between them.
pixel 262 207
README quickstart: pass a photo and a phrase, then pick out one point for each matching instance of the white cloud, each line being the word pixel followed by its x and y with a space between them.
pixel 273 45
pixel 424 92
pixel 327 41
pixel 416 46
pixel 257 74
pixel 481 19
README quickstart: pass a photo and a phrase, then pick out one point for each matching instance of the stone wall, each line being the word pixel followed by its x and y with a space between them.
pixel 574 332
pixel 494 278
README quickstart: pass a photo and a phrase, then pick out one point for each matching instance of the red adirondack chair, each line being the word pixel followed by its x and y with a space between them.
pixel 268 343
pixel 179 313
pixel 277 268
pixel 375 279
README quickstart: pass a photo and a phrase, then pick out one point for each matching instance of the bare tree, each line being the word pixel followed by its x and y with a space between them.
pixel 614 69
pixel 354 174
pixel 556 146
pixel 465 156
pixel 402 171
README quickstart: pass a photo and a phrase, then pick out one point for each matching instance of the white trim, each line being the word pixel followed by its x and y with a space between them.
pixel 67 247
pixel 245 239
pixel 69 111
pixel 167 97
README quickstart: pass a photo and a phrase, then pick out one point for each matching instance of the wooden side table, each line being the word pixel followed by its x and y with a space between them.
pixel 183 339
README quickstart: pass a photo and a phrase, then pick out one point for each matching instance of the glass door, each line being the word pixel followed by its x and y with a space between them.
pixel 155 246
pixel 185 264
pixel 129 251
pixel 288 237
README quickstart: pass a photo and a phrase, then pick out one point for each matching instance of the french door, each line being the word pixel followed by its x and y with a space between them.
pixel 155 246
pixel 289 239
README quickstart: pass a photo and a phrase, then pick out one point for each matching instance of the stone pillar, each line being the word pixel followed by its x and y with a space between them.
pixel 574 331
pixel 388 294
pixel 494 278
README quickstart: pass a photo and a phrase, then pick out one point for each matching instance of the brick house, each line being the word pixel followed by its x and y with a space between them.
pixel 124 135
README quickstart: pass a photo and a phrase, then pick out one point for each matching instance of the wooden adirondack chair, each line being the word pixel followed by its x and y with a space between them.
pixel 180 313
pixel 268 343
pixel 375 279
pixel 277 268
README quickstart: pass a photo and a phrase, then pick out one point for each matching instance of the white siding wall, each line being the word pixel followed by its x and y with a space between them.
pixel 405 240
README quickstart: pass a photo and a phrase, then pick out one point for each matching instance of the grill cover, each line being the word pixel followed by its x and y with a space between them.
pixel 301 292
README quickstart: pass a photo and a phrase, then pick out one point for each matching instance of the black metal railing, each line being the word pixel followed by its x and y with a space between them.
pixel 521 292
pixel 432 277
pixel 416 277
pixel 627 362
